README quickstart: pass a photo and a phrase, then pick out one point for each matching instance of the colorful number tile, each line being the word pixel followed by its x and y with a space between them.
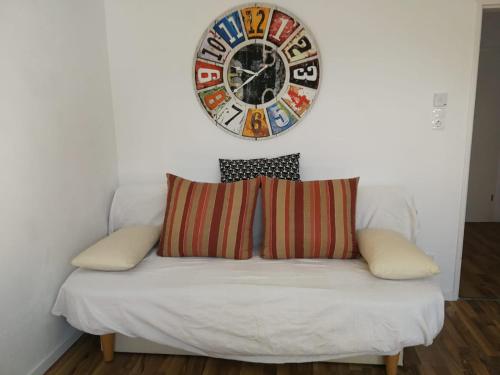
pixel 305 74
pixel 214 99
pixel 300 47
pixel 280 117
pixel 230 29
pixel 281 27
pixel 255 20
pixel 213 47
pixel 256 124
pixel 299 98
pixel 207 75
pixel 231 116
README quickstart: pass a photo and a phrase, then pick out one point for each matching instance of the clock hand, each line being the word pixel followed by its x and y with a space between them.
pixel 250 79
pixel 244 70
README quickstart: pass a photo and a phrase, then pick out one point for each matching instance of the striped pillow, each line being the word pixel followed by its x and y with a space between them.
pixel 208 220
pixel 314 219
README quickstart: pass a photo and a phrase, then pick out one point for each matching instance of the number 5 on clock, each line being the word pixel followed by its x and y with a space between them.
pixel 280 118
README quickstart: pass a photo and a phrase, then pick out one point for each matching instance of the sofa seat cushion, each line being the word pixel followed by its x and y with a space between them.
pixel 293 310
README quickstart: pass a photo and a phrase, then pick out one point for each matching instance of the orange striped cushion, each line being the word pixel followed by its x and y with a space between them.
pixel 208 220
pixel 314 219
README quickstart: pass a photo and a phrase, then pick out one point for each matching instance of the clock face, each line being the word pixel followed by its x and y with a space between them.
pixel 257 71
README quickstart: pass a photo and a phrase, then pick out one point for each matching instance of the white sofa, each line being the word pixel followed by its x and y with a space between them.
pixel 257 310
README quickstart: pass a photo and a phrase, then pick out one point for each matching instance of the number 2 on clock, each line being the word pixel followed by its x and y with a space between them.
pixel 301 46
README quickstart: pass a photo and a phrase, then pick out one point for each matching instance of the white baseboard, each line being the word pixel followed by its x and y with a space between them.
pixel 450 296
pixel 53 356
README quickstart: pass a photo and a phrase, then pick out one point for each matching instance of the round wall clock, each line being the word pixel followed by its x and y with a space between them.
pixel 257 71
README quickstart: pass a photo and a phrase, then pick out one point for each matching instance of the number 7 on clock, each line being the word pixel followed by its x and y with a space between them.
pixel 231 117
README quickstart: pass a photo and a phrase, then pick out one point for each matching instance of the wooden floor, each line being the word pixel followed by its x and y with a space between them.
pixel 469 344
pixel 480 276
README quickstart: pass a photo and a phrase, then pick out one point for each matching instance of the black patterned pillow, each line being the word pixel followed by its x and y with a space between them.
pixel 284 167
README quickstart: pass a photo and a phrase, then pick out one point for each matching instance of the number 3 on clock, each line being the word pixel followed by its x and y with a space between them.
pixel 306 74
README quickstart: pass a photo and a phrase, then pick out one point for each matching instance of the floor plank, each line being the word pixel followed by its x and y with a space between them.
pixel 480 276
pixel 469 344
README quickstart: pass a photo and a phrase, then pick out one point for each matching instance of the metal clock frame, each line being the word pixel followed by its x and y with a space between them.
pixel 263 41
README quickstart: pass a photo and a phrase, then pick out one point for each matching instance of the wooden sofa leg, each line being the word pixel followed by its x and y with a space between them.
pixel 391 364
pixel 108 346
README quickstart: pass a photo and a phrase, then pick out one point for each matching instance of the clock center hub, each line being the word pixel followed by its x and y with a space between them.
pixel 256 73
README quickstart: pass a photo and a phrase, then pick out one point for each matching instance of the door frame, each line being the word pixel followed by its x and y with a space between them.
pixel 480 6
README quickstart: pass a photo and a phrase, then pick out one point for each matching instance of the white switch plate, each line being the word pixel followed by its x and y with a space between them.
pixel 438 117
pixel 440 99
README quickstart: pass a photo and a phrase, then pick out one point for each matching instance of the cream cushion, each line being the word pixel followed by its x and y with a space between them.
pixel 391 256
pixel 120 250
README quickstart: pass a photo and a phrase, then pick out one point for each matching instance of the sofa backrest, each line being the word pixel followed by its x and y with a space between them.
pixel 387 207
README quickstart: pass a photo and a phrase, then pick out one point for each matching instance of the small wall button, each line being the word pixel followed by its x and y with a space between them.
pixel 438 116
pixel 440 100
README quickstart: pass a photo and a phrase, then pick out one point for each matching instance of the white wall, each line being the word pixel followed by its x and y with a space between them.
pixel 382 61
pixel 484 176
pixel 57 163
